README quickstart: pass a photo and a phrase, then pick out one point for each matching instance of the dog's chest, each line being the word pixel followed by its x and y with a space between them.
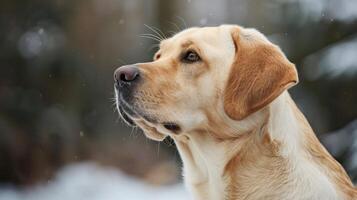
pixel 204 176
pixel 299 183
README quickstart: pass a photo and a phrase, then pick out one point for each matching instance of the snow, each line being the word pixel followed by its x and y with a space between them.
pixel 41 41
pixel 88 181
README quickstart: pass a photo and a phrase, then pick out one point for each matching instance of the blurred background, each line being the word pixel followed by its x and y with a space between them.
pixel 59 131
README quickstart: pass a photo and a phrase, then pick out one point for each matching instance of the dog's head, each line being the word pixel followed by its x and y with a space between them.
pixel 203 79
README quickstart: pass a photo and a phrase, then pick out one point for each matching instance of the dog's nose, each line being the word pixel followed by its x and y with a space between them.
pixel 126 74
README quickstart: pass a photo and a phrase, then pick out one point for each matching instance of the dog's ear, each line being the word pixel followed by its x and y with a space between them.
pixel 260 73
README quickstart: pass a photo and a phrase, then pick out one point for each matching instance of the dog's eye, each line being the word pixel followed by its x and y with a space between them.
pixel 191 57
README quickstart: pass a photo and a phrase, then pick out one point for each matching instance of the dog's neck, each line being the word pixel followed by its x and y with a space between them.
pixel 273 156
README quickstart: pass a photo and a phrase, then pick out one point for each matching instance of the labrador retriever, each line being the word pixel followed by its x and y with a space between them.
pixel 221 94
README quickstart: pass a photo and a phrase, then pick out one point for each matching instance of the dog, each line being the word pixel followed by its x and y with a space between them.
pixel 221 94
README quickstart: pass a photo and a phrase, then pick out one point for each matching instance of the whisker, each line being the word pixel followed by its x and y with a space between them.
pixel 158 149
pixel 150 37
pixel 171 32
pixel 114 103
pixel 155 31
pixel 135 131
pixel 183 21
pixel 153 47
pixel 131 132
pixel 175 25
pixel 162 33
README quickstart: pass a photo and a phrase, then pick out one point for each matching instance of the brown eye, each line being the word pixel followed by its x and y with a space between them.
pixel 191 57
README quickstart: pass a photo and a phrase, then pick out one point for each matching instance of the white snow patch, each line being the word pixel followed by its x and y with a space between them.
pixel 88 181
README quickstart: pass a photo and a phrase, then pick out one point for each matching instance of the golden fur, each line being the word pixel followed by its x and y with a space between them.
pixel 241 135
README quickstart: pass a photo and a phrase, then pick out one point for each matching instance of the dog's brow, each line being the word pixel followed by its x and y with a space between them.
pixel 186 44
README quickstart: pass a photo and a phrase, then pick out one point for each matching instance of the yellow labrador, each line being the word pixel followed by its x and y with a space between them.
pixel 221 94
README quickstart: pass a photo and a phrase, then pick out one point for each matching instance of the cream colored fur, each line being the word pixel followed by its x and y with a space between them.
pixel 246 144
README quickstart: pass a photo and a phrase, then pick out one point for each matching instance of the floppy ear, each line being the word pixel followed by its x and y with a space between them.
pixel 259 74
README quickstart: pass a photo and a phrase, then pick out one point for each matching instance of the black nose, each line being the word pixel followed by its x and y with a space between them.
pixel 126 74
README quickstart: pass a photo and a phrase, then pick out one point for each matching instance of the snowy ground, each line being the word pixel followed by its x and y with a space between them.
pixel 88 181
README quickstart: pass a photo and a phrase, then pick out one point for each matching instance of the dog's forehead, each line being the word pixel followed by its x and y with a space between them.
pixel 198 36
pixel 203 32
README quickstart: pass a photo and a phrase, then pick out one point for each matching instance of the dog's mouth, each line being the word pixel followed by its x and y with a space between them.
pixel 172 126
pixel 130 114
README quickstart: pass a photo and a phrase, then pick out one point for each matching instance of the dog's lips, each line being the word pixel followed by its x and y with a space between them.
pixel 125 116
pixel 172 126
pixel 130 114
pixel 125 111
pixel 148 128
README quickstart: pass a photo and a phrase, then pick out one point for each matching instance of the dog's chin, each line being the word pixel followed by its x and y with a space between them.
pixel 149 131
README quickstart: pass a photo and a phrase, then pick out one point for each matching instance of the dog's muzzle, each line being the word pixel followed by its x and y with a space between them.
pixel 125 80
